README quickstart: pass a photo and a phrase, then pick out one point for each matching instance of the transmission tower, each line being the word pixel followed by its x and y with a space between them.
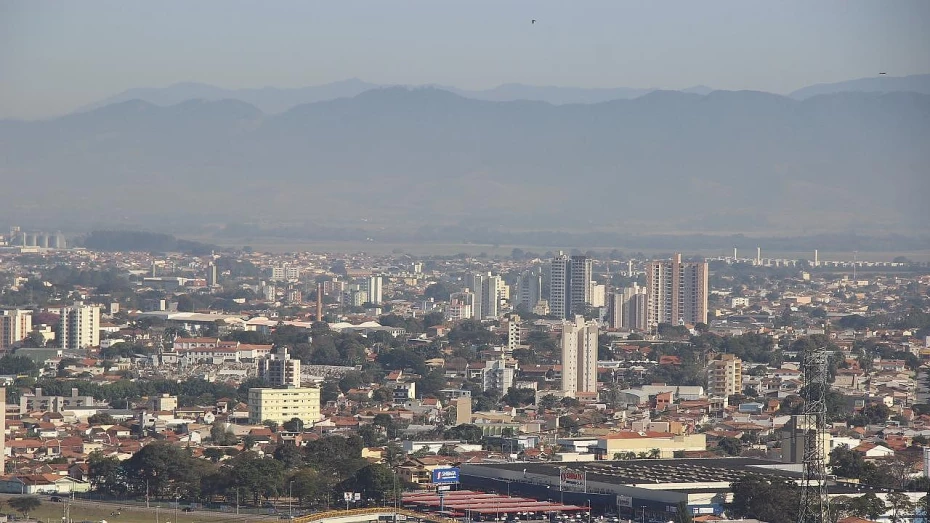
pixel 815 504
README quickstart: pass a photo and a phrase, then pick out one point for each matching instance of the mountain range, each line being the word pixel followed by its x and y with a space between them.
pixel 392 159
pixel 273 100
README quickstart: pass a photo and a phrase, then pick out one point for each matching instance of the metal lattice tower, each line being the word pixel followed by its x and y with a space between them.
pixel 815 504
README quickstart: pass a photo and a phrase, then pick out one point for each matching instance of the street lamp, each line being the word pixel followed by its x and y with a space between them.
pixel 290 498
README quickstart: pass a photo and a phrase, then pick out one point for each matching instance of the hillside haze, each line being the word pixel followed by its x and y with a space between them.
pixel 394 158
pixel 273 100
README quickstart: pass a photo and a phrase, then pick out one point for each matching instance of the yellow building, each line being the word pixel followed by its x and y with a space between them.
pixel 725 376
pixel 282 405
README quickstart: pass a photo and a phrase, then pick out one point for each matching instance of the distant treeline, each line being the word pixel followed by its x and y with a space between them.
pixel 143 241
pixel 481 235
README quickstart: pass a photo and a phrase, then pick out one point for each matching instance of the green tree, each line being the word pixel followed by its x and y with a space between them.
pixel 101 418
pixel 770 499
pixel 34 339
pixel 24 504
pixel 105 474
pixel 393 454
pixel 214 454
pixel 901 506
pixel 293 425
pixel 683 513
pixel 847 463
pixel 466 432
pixel 730 446
pixel 519 397
pixel 259 477
pixel 310 485
pixel 373 481
pixel 547 402
pixel 163 469
pixel 872 414
pixel 289 455
pixel 335 455
pixel 867 506
pixel 220 436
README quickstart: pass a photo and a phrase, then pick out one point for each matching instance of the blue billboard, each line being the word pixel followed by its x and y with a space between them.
pixel 445 476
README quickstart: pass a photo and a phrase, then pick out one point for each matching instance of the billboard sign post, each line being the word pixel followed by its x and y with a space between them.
pixel 448 476
pixel 573 480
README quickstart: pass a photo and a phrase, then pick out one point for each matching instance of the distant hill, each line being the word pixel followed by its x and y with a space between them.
pixel 267 99
pixel 919 83
pixel 273 100
pixel 416 160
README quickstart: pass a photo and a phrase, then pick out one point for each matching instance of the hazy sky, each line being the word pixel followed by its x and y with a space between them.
pixel 56 56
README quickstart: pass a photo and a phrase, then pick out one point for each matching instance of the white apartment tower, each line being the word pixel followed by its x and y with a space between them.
pixel 79 326
pixel 569 285
pixel 372 285
pixel 514 333
pixel 579 356
pixel 486 289
pixel 15 325
pixel 677 292
pixel 496 374
pixel 461 306
pixel 285 273
pixel 280 370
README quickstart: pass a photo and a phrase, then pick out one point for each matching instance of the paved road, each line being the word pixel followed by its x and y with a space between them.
pixel 164 509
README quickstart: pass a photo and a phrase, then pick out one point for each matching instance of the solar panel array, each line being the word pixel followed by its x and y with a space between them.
pixel 655 471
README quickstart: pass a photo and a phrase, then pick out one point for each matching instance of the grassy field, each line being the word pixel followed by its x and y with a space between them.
pixel 52 512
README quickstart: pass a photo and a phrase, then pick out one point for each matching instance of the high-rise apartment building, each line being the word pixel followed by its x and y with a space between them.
pixel 281 405
pixel 211 275
pixel 79 326
pixel 15 325
pixel 280 370
pixel 372 285
pixel 514 333
pixel 560 278
pixel 529 290
pixel 725 376
pixel 677 292
pixel 581 284
pixel 497 374
pixel 579 356
pixel 569 285
pixel 626 308
pixel 461 306
pixel 285 272
pixel 487 294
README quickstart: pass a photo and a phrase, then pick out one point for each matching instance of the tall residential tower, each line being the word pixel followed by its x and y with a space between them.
pixel 579 356
pixel 677 292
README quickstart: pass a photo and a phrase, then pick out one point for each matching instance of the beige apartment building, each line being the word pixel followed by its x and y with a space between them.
pixel 280 405
pixel 725 375
pixel 15 325
pixel 676 292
